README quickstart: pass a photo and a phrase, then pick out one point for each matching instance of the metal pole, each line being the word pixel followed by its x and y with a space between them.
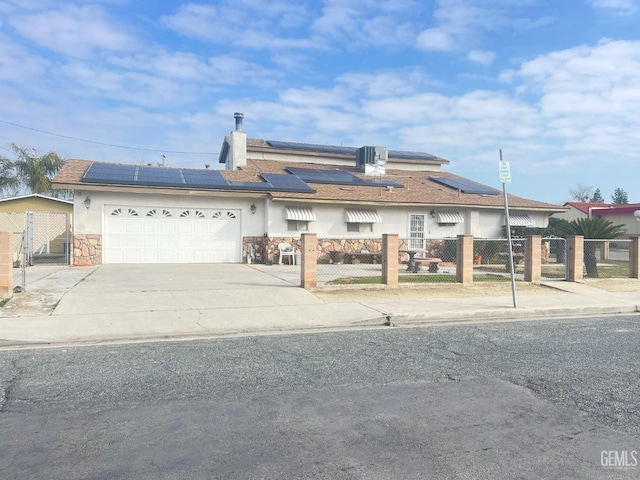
pixel 506 215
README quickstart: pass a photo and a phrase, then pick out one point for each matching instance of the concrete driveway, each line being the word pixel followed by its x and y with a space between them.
pixel 128 302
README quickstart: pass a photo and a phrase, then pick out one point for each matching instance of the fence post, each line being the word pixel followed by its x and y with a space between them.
pixel 464 259
pixel 575 260
pixel 533 258
pixel 309 257
pixel 390 258
pixel 634 257
pixel 6 265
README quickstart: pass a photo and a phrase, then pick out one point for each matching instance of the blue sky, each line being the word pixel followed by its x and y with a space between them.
pixel 554 84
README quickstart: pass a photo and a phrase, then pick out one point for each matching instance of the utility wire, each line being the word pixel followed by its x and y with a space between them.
pixel 107 144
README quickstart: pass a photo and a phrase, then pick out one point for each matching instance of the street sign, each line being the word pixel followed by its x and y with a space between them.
pixel 504 171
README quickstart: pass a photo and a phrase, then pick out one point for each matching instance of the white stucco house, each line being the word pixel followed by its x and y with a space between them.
pixel 273 191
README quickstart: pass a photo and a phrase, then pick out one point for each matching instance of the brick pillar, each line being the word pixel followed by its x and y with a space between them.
pixel 390 259
pixel 309 257
pixel 533 258
pixel 634 257
pixel 575 260
pixel 464 259
pixel 6 265
pixel 604 251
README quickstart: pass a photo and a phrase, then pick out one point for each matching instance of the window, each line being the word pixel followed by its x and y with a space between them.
pixel 416 231
pixel 297 225
pixel 359 227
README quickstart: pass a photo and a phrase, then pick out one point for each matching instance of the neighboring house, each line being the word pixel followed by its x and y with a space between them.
pixel 618 214
pixel 45 222
pixel 274 191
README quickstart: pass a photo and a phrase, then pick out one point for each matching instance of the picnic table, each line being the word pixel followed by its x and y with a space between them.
pixel 415 264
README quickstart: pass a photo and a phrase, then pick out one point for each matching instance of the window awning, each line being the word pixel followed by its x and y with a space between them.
pixel 362 216
pixel 300 213
pixel 519 221
pixel 449 217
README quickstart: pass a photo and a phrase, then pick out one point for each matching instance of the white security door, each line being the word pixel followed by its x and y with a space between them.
pixel 170 235
pixel 416 231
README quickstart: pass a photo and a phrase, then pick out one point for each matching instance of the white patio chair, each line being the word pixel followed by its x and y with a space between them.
pixel 286 250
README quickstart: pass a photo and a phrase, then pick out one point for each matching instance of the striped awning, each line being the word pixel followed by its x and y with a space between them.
pixel 519 221
pixel 449 217
pixel 300 213
pixel 362 216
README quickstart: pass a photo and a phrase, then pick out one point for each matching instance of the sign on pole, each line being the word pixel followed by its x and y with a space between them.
pixel 504 171
pixel 505 177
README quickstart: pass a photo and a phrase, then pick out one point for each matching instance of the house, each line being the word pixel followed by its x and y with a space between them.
pixel 40 227
pixel 272 192
pixel 627 214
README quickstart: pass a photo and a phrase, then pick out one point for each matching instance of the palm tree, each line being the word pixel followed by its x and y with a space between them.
pixel 9 182
pixel 36 171
pixel 591 228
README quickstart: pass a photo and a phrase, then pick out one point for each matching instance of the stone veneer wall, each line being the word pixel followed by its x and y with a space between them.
pixel 87 249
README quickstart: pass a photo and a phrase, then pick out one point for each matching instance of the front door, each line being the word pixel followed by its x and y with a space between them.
pixel 416 231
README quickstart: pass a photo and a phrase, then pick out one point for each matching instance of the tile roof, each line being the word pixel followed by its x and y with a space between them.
pixel 417 190
pixel 585 206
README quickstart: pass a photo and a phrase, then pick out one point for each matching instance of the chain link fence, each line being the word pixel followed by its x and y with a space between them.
pixel 606 258
pixel 343 261
pixel 48 238
pixel 427 260
pixel 491 259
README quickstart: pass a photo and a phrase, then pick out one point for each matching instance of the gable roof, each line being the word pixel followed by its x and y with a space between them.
pixel 585 207
pixel 36 195
pixel 417 187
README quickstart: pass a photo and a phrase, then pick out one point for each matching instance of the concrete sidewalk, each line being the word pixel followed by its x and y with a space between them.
pixel 111 303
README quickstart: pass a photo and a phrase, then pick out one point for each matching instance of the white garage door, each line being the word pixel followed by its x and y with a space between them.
pixel 170 235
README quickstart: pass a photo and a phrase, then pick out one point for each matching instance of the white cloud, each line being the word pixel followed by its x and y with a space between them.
pixel 436 39
pixel 617 7
pixel 73 30
pixel 482 57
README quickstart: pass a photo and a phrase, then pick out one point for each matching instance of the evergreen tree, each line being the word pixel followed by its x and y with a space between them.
pixel 597 197
pixel 620 197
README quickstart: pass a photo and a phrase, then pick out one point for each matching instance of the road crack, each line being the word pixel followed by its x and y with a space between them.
pixel 6 393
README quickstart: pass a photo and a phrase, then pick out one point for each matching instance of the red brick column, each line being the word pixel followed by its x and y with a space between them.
pixel 533 258
pixel 6 265
pixel 309 263
pixel 575 258
pixel 390 258
pixel 634 257
pixel 464 259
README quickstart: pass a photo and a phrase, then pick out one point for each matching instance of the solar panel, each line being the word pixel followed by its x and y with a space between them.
pixel 204 179
pixel 110 173
pixel 465 186
pixel 312 147
pixel 188 178
pixel 288 183
pixel 411 155
pixel 339 177
pixel 159 176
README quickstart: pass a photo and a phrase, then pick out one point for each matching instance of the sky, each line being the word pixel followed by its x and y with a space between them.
pixel 553 84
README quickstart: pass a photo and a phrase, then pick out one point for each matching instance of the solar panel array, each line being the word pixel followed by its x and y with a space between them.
pixel 339 177
pixel 106 173
pixel 465 186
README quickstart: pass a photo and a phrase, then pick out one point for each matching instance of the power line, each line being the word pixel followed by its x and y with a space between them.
pixel 106 144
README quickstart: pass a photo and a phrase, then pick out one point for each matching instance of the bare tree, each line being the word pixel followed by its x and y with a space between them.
pixel 582 193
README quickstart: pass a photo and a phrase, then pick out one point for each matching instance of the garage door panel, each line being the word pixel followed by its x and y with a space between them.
pixel 168 235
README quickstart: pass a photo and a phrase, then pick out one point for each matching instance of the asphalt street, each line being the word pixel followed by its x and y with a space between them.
pixel 537 399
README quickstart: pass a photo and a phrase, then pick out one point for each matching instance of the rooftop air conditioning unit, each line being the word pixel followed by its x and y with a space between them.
pixel 371 160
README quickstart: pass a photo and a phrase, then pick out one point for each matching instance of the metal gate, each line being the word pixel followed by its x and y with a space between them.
pixel 47 238
pixel 554 258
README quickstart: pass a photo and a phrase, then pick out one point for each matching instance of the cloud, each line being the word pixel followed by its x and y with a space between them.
pixel 616 7
pixel 481 57
pixel 75 31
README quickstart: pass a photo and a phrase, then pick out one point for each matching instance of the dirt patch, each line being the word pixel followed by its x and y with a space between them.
pixel 485 289
pixel 614 284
